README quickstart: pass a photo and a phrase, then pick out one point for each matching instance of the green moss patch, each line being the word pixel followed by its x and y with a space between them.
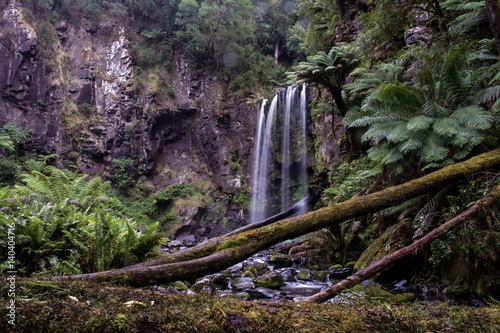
pixel 92 307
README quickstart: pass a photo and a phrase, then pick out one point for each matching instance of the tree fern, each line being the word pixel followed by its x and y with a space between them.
pixel 423 126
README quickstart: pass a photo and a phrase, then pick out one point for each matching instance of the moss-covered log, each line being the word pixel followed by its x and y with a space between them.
pixel 217 254
pixel 406 251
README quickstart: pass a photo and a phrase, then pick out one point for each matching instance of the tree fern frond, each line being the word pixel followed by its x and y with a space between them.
pixel 412 144
pixel 433 166
pixel 404 206
pixel 489 94
pixel 434 109
pixel 446 126
pixel 417 123
pixel 455 80
pixel 378 152
pixel 474 117
pixel 399 133
pixel 368 121
pixel 462 138
pixel 401 95
pixel 378 131
pixel 394 155
pixel 424 215
pixel 433 149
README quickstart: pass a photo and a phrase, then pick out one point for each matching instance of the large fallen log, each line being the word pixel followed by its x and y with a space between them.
pixel 220 253
pixel 406 251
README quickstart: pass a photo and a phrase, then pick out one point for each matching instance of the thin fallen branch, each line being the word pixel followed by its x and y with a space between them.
pixel 280 216
pixel 406 251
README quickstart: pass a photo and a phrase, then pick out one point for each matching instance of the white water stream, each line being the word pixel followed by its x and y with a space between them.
pixel 279 178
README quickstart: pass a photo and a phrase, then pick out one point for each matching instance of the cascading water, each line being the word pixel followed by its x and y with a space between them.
pixel 279 170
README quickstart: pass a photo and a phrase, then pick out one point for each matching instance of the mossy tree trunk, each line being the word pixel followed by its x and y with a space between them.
pixel 222 252
pixel 406 251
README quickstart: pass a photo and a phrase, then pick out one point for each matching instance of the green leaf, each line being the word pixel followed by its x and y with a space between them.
pixel 412 144
pixel 399 133
pixel 433 150
pixel 446 127
pixel 474 117
pixel 394 155
pixel 418 123
pixel 378 131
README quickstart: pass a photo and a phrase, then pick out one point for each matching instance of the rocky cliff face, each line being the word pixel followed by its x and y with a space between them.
pixel 81 104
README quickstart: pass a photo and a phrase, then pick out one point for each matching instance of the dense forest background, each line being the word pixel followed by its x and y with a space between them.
pixel 408 87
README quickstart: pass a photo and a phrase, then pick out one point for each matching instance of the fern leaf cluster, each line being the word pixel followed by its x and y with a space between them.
pixel 425 125
pixel 64 224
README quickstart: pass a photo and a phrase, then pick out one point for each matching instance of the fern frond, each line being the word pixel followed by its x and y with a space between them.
pixel 474 117
pixel 399 133
pixel 378 152
pixel 489 94
pixel 434 109
pixel 418 123
pixel 378 131
pixel 404 206
pixel 412 144
pixel 455 80
pixel 394 155
pixel 433 149
pixel 368 121
pixel 405 97
pixel 446 126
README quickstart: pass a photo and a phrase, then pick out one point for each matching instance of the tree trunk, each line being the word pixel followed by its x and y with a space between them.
pixel 276 51
pixel 493 7
pixel 406 251
pixel 220 253
pixel 339 101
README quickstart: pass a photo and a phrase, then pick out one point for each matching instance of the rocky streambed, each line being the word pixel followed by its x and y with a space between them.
pixel 274 275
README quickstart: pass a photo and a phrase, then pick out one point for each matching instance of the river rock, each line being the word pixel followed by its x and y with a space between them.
pixel 242 283
pixel 280 260
pixel 271 280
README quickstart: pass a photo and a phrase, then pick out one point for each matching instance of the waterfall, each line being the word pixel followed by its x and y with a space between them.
pixel 279 178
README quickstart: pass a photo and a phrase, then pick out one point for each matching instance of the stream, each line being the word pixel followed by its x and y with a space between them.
pixel 272 275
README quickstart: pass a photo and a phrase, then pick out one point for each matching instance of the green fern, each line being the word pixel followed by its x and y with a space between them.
pixel 472 14
pixel 423 126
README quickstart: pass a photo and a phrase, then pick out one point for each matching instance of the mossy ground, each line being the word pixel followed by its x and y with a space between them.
pixel 90 307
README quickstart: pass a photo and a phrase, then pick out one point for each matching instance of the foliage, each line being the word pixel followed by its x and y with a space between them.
pixel 121 172
pixel 327 69
pixel 470 15
pixel 177 191
pixel 468 255
pixel 12 140
pixel 349 179
pixel 66 223
pixel 59 185
pixel 321 17
pixel 418 127
pixel 385 23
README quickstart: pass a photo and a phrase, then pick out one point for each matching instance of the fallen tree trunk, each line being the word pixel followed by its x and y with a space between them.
pixel 406 251
pixel 280 216
pixel 220 253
